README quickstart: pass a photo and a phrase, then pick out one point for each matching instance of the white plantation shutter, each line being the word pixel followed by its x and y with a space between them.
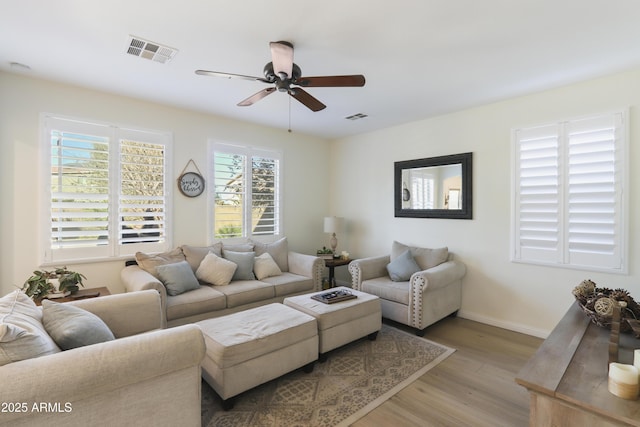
pixel 107 190
pixel 568 199
pixel 246 200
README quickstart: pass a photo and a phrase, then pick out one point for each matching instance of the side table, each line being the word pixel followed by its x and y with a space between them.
pixel 332 264
pixel 80 294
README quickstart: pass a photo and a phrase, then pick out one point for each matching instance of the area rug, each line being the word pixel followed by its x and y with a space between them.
pixel 355 379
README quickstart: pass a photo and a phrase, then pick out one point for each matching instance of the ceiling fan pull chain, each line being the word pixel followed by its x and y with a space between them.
pixel 289 115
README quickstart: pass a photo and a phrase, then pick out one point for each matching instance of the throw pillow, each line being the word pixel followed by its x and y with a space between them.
pixel 264 266
pixel 149 262
pixel 216 270
pixel 402 268
pixel 279 251
pixel 426 258
pixel 195 254
pixel 72 327
pixel 238 247
pixel 22 335
pixel 244 261
pixel 178 277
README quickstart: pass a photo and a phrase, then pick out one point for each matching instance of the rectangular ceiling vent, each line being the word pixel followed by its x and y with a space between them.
pixel 150 50
pixel 357 116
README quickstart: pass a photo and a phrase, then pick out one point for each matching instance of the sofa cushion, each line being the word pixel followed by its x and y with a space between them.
pixel 22 335
pixel 177 277
pixel 425 258
pixel 195 254
pixel 72 327
pixel 205 299
pixel 238 247
pixel 289 283
pixel 264 266
pixel 244 261
pixel 387 289
pixel 149 262
pixel 279 251
pixel 216 270
pixel 402 267
pixel 243 292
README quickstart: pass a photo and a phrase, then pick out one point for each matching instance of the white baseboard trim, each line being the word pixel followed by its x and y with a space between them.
pixel 516 327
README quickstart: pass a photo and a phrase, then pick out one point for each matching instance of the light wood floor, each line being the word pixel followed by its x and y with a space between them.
pixel 475 386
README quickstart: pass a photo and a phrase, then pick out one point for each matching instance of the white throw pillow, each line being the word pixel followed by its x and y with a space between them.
pixel 264 266
pixel 216 270
pixel 22 335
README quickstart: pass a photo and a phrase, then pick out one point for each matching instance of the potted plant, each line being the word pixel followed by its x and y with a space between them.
pixel 56 283
pixel 325 253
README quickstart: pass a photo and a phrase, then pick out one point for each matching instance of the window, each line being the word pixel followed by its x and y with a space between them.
pixel 569 207
pixel 246 192
pixel 107 190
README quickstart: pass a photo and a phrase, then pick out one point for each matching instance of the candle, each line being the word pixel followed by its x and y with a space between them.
pixel 623 380
pixel 636 359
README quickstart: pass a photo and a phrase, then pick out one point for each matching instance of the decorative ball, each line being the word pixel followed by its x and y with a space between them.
pixel 604 306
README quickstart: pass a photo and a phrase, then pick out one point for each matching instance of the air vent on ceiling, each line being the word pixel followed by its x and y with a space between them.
pixel 356 116
pixel 150 50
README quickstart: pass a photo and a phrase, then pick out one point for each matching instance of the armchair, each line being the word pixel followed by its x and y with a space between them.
pixel 430 294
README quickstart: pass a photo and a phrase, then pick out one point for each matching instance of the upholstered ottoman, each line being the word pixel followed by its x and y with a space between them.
pixel 251 347
pixel 341 322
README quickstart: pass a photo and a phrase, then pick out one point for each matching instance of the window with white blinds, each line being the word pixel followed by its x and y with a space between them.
pixel 246 185
pixel 108 190
pixel 569 207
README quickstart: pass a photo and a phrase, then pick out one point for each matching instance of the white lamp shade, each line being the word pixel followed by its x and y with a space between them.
pixel 332 224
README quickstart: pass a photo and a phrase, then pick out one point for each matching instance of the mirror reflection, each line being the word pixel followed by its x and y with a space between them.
pixel 436 187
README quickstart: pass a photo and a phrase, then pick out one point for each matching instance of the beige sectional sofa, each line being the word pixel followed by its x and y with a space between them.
pixel 145 376
pixel 295 274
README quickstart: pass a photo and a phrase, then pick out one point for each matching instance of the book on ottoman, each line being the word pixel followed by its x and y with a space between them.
pixel 334 296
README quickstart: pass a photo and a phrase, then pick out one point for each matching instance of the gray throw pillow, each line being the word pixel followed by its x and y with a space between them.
pixel 402 268
pixel 72 327
pixel 244 261
pixel 178 277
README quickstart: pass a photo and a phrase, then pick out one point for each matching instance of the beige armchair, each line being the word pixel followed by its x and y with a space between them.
pixel 428 295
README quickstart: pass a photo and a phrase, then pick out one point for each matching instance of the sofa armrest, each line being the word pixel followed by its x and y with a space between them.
pixel 439 276
pixel 136 279
pixel 308 266
pixel 78 377
pixel 368 268
pixel 126 314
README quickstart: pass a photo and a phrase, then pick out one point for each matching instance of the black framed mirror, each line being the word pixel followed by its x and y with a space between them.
pixel 435 187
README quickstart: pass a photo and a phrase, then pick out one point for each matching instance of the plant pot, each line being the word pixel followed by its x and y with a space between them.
pixel 56 290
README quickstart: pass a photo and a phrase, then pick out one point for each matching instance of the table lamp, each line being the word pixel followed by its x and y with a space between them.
pixel 331 225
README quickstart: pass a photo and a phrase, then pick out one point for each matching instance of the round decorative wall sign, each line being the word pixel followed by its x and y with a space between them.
pixel 191 184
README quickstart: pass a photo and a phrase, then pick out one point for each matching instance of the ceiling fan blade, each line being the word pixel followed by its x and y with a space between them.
pixel 256 97
pixel 229 75
pixel 309 101
pixel 282 58
pixel 331 81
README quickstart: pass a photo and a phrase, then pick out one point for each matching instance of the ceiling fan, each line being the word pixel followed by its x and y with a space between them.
pixel 286 77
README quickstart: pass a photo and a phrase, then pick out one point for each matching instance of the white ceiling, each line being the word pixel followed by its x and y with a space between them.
pixel 420 57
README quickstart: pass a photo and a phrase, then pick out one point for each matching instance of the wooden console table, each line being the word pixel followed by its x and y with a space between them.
pixel 567 377
pixel 81 294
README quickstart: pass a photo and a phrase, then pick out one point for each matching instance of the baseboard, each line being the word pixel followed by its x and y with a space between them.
pixel 516 327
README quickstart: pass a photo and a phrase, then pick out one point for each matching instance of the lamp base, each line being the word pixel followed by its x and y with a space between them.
pixel 333 242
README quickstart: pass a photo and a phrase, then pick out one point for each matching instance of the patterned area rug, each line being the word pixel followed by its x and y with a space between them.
pixel 354 380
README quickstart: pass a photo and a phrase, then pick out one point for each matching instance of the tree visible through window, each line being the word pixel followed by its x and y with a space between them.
pixel 246 186
pixel 108 188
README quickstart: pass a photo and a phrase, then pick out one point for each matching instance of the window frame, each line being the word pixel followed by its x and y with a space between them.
pixel 621 200
pixel 115 134
pixel 249 151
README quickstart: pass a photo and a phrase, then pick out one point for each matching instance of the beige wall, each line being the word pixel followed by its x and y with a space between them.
pixel 22 99
pixel 522 297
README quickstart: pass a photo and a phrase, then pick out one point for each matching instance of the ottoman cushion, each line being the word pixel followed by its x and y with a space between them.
pixel 245 335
